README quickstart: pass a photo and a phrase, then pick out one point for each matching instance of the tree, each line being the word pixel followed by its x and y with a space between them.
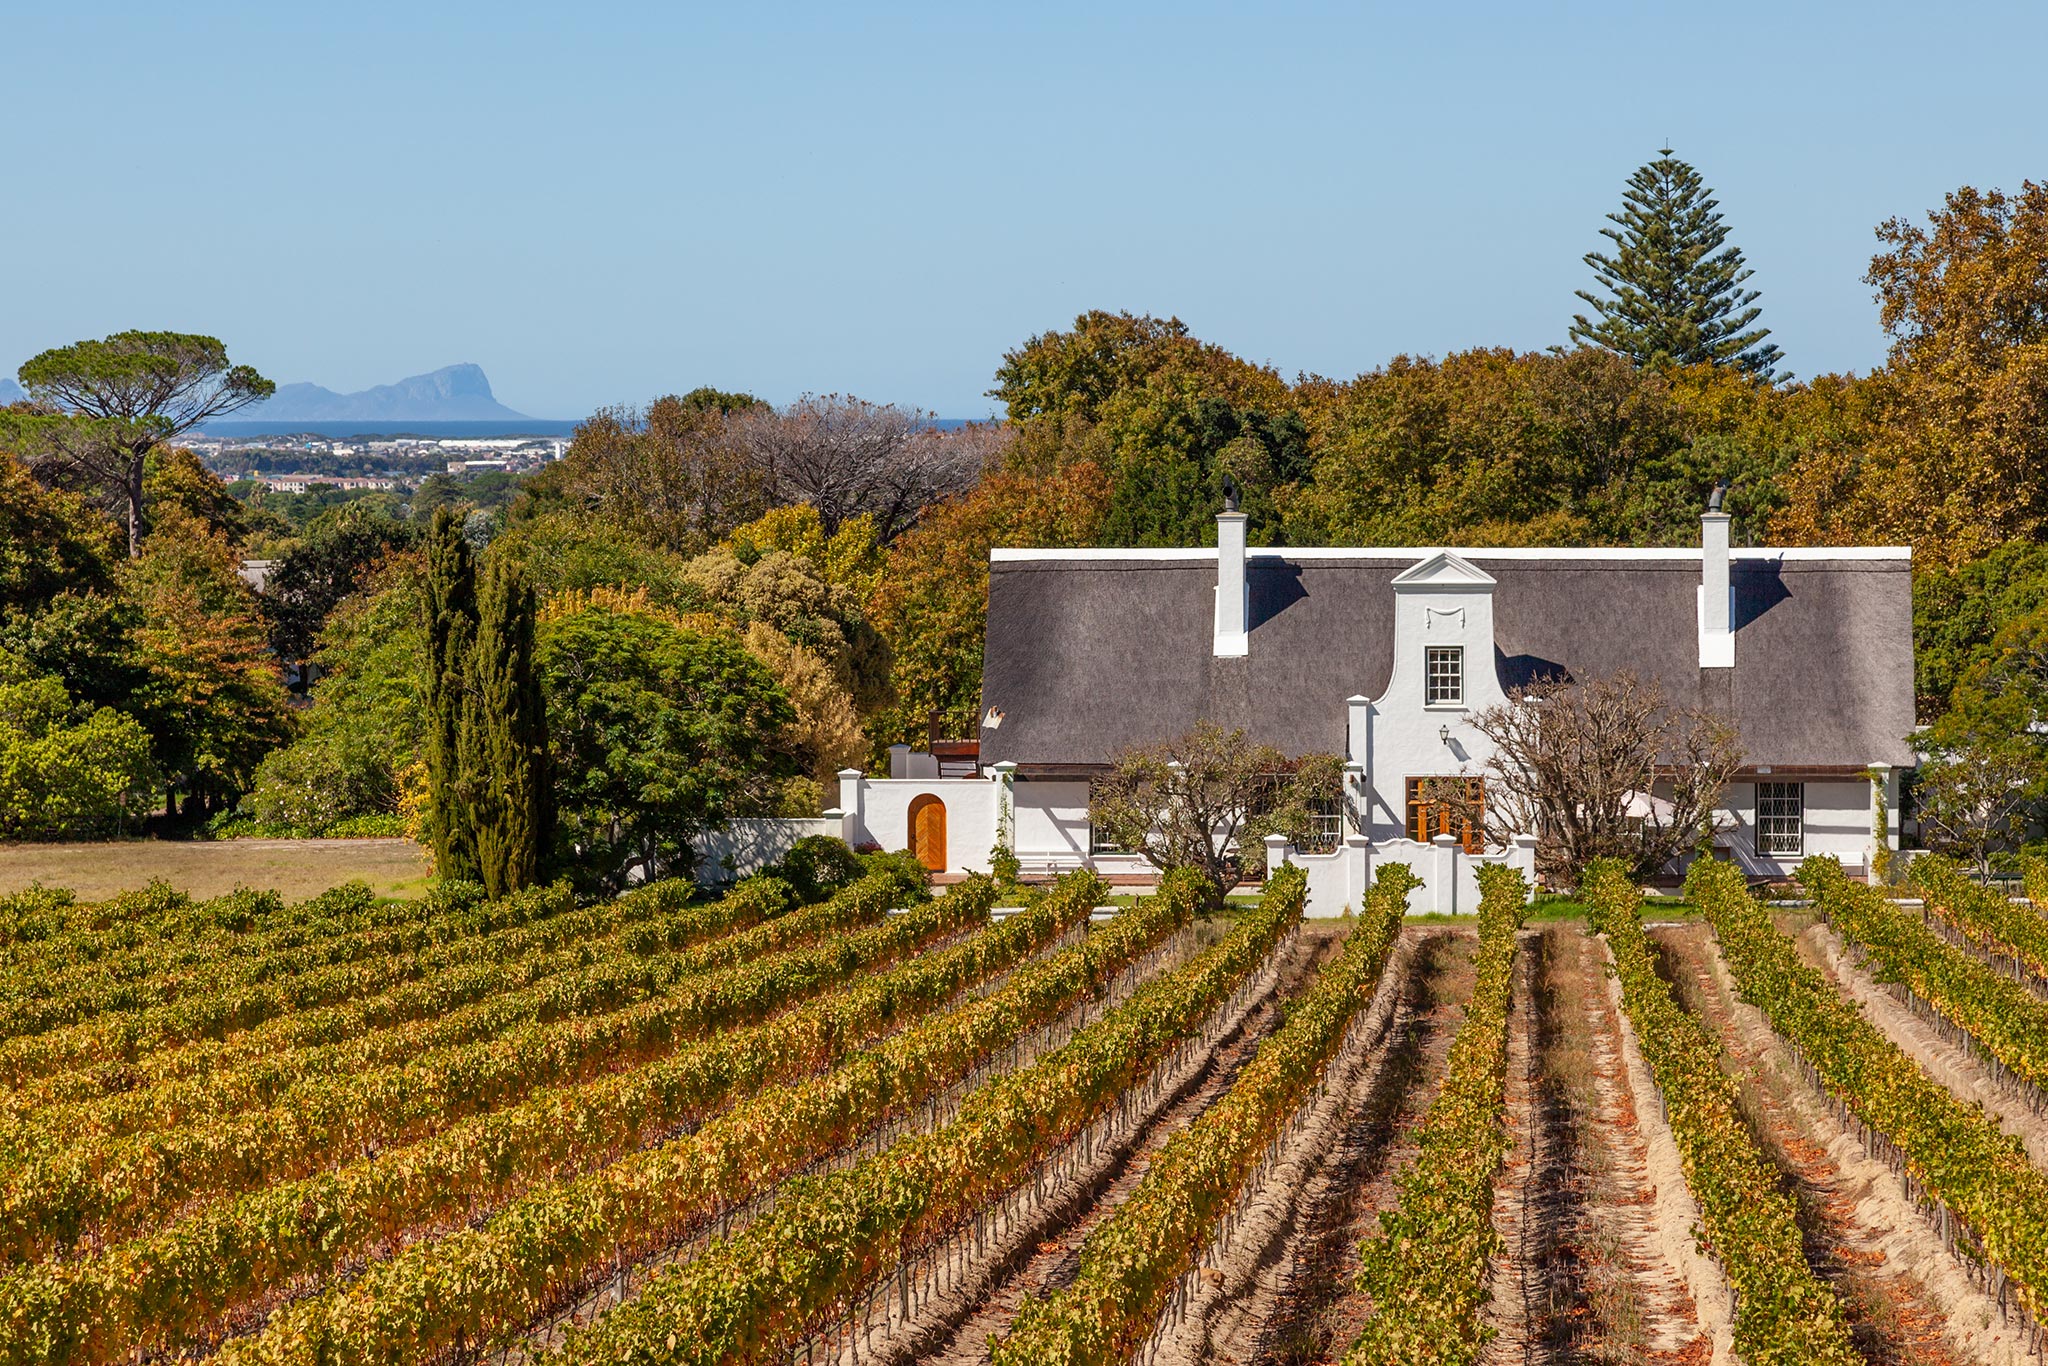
pixel 139 391
pixel 1975 788
pixel 1953 463
pixel 1597 768
pixel 503 739
pixel 1189 802
pixel 1677 294
pixel 451 617
pixel 360 741
pixel 661 473
pixel 210 697
pixel 658 735
pixel 67 771
pixel 50 541
pixel 847 457
pixel 338 550
pixel 932 603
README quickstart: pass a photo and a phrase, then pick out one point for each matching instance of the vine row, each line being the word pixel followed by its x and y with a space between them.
pixel 115 1187
pixel 1952 1151
pixel 160 1290
pixel 482 1285
pixel 1133 1260
pixel 1787 1315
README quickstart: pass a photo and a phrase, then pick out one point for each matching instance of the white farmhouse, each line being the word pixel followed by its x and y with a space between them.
pixel 1383 656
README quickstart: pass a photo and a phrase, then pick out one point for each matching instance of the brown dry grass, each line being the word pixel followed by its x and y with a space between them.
pixel 295 869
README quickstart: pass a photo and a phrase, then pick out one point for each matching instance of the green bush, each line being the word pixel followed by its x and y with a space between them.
pixel 816 866
pixel 67 771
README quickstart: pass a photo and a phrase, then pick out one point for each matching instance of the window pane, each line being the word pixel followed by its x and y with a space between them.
pixel 1443 675
pixel 1781 819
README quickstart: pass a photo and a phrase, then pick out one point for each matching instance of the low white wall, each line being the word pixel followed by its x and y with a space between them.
pixel 878 811
pixel 1339 880
pixel 747 846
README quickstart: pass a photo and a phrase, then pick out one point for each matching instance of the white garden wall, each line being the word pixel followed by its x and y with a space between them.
pixel 747 846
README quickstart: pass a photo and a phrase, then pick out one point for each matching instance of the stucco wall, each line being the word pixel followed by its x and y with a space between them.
pixel 745 846
pixel 879 809
pixel 1338 881
pixel 1839 819
pixel 1052 821
pixel 1398 735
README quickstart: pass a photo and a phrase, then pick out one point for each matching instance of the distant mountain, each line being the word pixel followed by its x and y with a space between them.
pixel 454 393
pixel 10 392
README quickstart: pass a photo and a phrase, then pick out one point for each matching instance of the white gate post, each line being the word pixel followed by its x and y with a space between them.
pixel 1524 858
pixel 852 803
pixel 1444 884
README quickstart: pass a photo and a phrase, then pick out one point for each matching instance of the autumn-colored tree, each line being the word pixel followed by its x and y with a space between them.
pixel 212 700
pixel 1165 415
pixel 1960 411
pixel 661 473
pixel 932 605
pixel 50 541
pixel 786 591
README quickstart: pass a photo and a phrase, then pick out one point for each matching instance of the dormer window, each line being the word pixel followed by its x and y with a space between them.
pixel 1444 676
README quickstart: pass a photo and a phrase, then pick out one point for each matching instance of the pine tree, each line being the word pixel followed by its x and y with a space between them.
pixel 504 741
pixel 1677 292
pixel 451 626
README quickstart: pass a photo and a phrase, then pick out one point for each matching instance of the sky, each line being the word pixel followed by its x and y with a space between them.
pixel 601 203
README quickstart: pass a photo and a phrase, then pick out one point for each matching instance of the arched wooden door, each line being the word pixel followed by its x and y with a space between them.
pixel 928 831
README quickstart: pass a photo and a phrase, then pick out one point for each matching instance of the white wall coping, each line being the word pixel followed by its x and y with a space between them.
pixel 1026 555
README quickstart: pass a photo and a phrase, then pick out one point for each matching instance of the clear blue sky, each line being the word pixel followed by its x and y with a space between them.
pixel 600 203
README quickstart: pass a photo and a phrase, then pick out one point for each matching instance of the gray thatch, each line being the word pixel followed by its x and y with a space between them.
pixel 1090 654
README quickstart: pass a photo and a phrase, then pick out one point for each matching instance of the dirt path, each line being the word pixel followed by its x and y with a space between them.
pixel 1949 1063
pixel 1281 1290
pixel 994 1266
pixel 1597 1267
pixel 1908 1298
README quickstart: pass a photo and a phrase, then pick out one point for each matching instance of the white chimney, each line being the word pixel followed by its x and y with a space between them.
pixel 1233 638
pixel 1717 594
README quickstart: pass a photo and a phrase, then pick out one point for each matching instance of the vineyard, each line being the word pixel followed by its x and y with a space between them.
pixel 834 1115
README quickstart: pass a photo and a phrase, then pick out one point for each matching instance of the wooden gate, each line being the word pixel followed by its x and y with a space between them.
pixel 928 831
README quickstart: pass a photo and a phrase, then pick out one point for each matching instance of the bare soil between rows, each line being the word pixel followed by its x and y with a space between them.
pixel 1908 1298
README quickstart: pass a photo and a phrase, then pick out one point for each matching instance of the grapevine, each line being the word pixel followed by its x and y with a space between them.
pixel 477 1285
pixel 1788 1316
pixel 1133 1260
pixel 1954 1151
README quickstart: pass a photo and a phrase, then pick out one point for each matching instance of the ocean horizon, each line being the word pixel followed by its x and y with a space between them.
pixel 474 430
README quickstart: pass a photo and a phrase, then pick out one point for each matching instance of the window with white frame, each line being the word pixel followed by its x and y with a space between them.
pixel 1443 675
pixel 1781 819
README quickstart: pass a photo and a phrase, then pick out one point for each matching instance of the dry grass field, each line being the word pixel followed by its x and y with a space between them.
pixel 295 869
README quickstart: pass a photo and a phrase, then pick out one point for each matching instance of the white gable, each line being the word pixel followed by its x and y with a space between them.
pixel 1444 570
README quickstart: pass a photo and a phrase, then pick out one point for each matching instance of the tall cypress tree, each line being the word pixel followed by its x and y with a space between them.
pixel 1676 289
pixel 504 740
pixel 451 627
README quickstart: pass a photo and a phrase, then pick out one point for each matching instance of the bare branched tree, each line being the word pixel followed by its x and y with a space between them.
pixel 845 456
pixel 1600 768
pixel 1186 803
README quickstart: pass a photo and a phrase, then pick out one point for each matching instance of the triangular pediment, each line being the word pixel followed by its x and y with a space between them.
pixel 1444 570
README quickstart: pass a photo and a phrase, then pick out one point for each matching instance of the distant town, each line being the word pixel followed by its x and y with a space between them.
pixel 298 463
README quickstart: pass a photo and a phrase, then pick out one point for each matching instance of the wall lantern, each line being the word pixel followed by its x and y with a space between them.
pixel 1443 733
